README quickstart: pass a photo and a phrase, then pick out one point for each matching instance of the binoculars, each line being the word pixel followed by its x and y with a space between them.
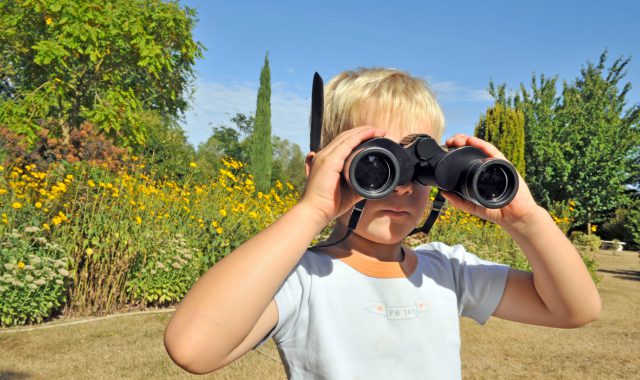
pixel 377 166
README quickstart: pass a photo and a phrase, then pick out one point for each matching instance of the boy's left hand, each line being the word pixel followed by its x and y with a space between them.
pixel 520 207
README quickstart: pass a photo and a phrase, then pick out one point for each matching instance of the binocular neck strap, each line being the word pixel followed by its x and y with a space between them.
pixel 353 223
pixel 438 202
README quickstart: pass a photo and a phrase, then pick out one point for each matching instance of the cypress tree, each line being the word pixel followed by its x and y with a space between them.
pixel 260 143
pixel 503 126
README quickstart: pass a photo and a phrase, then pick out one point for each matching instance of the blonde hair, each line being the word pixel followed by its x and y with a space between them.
pixel 370 96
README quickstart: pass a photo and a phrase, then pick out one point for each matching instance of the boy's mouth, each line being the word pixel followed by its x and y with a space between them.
pixel 394 213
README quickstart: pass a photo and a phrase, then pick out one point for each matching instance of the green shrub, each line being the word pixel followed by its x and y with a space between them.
pixel 625 226
pixel 165 275
pixel 34 278
pixel 589 243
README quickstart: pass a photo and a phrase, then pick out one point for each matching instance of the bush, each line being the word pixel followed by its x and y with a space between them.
pixel 585 242
pixel 587 245
pixel 120 228
pixel 34 278
pixel 625 226
pixel 166 274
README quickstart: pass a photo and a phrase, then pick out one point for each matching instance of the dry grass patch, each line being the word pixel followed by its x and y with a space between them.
pixel 606 349
pixel 130 347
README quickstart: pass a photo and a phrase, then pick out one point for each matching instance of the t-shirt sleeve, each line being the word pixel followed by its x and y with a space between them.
pixel 479 283
pixel 288 299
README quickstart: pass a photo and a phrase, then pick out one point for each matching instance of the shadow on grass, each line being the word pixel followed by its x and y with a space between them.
pixel 632 275
pixel 10 375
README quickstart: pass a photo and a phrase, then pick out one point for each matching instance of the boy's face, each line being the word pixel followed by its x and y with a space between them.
pixel 391 219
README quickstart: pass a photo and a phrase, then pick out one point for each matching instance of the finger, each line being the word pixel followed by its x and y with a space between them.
pixel 345 142
pixel 486 147
pixel 456 140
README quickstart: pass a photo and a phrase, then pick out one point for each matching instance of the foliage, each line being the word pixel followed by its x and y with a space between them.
pixel 103 62
pixel 581 145
pixel 115 226
pixel 624 226
pixel 503 126
pixel 34 277
pixel 586 242
pixel 488 240
pixel 165 274
pixel 166 150
pixel 587 245
pixel 603 139
pixel 260 141
pixel 547 170
pixel 485 239
pixel 84 144
pixel 287 163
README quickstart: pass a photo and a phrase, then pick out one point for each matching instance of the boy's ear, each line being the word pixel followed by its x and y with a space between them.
pixel 308 161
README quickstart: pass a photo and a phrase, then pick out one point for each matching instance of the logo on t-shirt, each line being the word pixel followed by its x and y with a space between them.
pixel 398 313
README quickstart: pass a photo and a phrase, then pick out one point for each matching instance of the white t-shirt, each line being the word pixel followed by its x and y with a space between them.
pixel 359 318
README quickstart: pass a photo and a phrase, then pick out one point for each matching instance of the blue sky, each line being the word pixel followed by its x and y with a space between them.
pixel 456 46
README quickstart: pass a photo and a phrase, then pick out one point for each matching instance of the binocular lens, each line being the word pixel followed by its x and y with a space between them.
pixel 493 182
pixel 373 172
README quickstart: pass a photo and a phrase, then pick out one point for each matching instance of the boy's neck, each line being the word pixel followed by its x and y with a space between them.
pixel 360 245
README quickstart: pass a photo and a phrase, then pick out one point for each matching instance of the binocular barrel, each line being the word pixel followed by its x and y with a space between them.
pixel 377 166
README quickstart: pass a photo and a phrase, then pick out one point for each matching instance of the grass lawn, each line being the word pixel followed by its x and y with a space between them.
pixel 131 346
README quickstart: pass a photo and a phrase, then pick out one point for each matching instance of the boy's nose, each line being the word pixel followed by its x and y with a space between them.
pixel 406 189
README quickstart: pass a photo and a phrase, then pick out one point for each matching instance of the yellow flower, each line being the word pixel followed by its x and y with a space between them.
pixel 1 168
pixel 89 251
pixel 46 226
pixel 219 230
pixel 16 205
pixel 91 183
pixel 38 204
pixel 20 264
pixel 248 182
pixel 594 228
pixel 48 20
pixel 138 220
pixel 193 164
pixel 223 213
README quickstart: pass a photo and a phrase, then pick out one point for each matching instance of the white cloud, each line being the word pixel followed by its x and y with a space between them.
pixel 215 103
pixel 450 91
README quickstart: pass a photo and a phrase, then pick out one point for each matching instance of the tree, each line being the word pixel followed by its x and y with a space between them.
pixel 547 170
pixel 260 144
pixel 166 148
pixel 503 126
pixel 603 136
pixel 65 62
pixel 581 145
pixel 287 162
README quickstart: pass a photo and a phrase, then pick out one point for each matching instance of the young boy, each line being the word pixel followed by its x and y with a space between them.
pixel 369 307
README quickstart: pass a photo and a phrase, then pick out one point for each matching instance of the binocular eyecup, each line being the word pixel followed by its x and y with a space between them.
pixel 377 166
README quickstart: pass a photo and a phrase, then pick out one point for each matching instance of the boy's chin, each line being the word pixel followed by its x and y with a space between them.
pixel 386 235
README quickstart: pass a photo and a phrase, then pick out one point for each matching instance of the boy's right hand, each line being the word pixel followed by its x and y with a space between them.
pixel 325 192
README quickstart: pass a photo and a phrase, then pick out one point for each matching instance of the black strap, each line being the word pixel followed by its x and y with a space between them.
pixel 438 203
pixel 353 223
